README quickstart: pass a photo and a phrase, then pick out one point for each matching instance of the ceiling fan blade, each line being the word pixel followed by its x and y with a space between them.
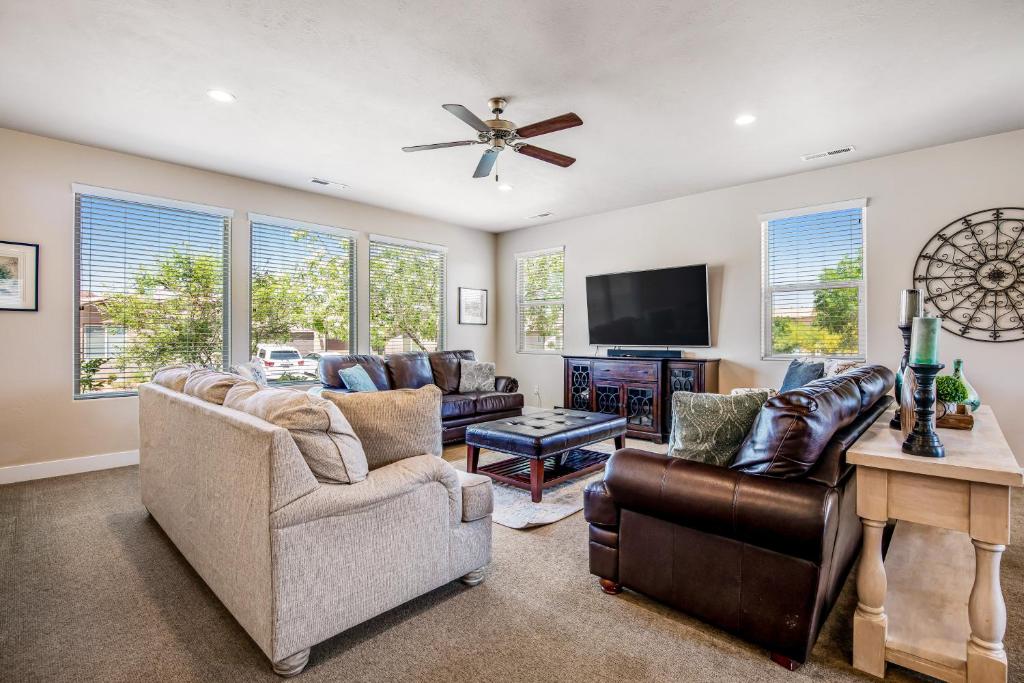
pixel 483 169
pixel 546 155
pixel 467 116
pixel 550 125
pixel 440 145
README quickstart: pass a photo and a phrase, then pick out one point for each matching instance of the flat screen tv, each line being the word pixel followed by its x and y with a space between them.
pixel 665 307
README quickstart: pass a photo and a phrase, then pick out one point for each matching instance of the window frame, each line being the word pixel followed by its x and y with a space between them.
pixel 290 223
pixel 768 291
pixel 81 189
pixel 442 331
pixel 520 303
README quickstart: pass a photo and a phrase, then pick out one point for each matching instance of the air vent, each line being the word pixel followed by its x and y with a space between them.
pixel 830 153
pixel 328 183
pixel 540 215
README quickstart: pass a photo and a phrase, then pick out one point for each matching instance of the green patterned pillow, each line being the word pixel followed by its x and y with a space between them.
pixel 710 428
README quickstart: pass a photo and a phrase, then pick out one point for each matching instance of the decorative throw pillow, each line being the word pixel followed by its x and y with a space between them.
pixel 210 385
pixel 356 378
pixel 252 371
pixel 801 372
pixel 837 366
pixel 175 376
pixel 754 390
pixel 393 425
pixel 710 428
pixel 325 438
pixel 475 376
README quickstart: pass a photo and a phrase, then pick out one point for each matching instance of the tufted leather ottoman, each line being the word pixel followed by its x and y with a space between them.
pixel 548 446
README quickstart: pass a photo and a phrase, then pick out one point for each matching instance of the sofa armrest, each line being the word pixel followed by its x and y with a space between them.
pixel 382 484
pixel 599 507
pixel 477 496
pixel 505 384
pixel 798 518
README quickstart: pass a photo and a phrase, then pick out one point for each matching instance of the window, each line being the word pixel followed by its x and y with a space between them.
pixel 540 300
pixel 814 282
pixel 302 289
pixel 407 296
pixel 151 278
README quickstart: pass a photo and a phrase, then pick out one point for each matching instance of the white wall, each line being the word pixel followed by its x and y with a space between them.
pixel 39 421
pixel 911 196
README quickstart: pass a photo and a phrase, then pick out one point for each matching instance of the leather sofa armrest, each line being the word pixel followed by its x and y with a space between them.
pixel 598 505
pixel 795 517
pixel 505 384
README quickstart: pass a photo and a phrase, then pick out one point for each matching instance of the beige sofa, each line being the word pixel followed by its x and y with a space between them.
pixel 294 560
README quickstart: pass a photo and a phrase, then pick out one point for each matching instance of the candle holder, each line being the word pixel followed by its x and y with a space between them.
pixel 895 422
pixel 923 440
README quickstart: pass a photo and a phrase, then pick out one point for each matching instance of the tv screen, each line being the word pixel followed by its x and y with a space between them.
pixel 666 307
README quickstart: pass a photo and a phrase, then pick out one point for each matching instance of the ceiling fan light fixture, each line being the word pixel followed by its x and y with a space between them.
pixel 505 187
pixel 745 119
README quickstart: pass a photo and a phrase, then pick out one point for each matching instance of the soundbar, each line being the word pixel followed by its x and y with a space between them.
pixel 645 353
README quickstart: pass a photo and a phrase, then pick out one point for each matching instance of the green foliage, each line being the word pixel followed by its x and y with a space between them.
pixel 833 329
pixel 5 272
pixel 404 296
pixel 542 280
pixel 87 379
pixel 950 389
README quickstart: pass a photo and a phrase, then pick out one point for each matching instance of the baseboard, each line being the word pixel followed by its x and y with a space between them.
pixel 59 468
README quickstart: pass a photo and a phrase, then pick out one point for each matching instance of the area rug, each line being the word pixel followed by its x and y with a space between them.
pixel 513 507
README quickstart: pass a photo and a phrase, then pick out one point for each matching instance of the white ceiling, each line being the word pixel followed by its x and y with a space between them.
pixel 335 89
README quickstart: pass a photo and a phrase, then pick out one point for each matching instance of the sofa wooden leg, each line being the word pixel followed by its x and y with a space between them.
pixel 292 666
pixel 610 587
pixel 784 661
pixel 474 578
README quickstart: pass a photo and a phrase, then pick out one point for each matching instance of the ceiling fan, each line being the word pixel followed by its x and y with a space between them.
pixel 499 134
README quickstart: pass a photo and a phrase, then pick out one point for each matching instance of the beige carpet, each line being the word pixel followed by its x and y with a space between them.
pixel 92 590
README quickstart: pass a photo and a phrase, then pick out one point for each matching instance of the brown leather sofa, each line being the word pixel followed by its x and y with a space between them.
pixel 761 548
pixel 415 370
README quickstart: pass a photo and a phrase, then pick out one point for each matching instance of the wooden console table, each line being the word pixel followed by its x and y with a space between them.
pixel 934 604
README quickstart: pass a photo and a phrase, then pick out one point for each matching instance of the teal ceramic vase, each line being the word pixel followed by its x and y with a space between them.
pixel 973 400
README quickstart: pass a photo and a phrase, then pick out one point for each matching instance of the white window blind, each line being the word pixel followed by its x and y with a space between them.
pixel 814 283
pixel 540 300
pixel 407 296
pixel 302 290
pixel 150 290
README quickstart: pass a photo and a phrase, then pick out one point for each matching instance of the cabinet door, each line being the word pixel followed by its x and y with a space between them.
pixel 578 383
pixel 608 398
pixel 684 377
pixel 641 407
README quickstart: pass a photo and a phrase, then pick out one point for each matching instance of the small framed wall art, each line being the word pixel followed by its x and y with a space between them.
pixel 472 306
pixel 19 276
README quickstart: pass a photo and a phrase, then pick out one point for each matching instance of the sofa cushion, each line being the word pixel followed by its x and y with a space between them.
pixel 874 381
pixel 710 428
pixel 445 366
pixel 211 385
pixel 801 372
pixel 476 376
pixel 252 371
pixel 175 376
pixel 457 405
pixel 393 425
pixel 409 370
pixel 324 437
pixel 793 428
pixel 331 364
pixel 494 402
pixel 356 378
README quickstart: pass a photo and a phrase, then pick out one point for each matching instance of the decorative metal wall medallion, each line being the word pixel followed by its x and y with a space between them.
pixel 972 273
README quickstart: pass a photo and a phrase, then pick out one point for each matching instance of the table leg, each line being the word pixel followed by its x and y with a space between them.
pixel 869 620
pixel 472 457
pixel 536 479
pixel 986 658
pixel 620 441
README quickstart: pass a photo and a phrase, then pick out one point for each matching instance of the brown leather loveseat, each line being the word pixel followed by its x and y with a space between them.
pixel 760 548
pixel 441 368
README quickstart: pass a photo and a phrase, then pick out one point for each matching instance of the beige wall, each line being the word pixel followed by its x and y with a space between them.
pixel 910 197
pixel 39 421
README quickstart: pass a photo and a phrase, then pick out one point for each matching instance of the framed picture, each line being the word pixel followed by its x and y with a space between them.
pixel 472 306
pixel 19 276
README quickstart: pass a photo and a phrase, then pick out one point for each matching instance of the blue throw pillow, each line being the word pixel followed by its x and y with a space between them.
pixel 802 372
pixel 356 379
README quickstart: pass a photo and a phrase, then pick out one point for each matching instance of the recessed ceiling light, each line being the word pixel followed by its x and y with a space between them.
pixel 505 187
pixel 745 119
pixel 221 95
